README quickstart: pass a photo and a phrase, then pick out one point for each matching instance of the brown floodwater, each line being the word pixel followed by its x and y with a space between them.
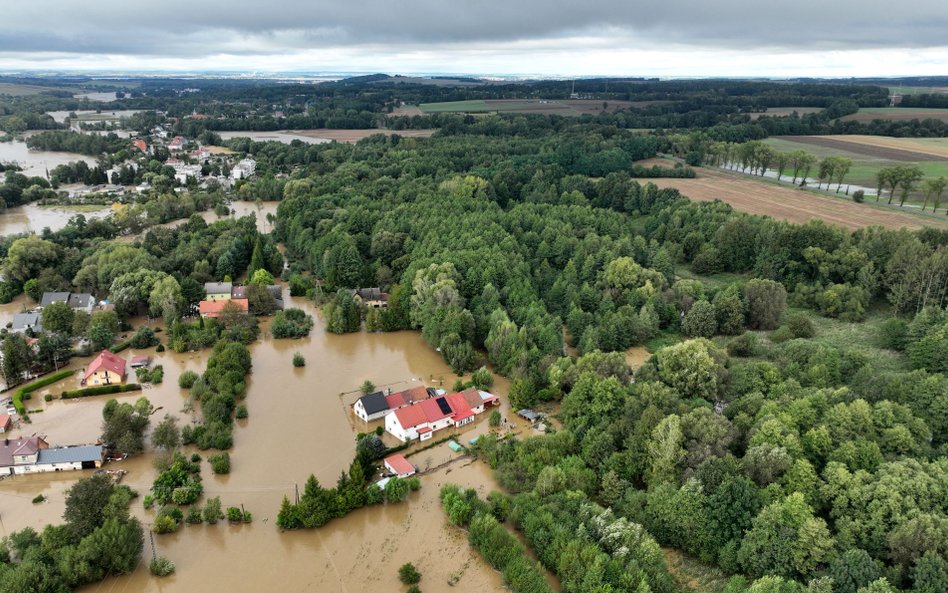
pixel 37 162
pixel 32 218
pixel 299 423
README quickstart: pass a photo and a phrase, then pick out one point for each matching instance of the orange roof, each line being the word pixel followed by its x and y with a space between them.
pixel 410 416
pixel 4 420
pixel 413 395
pixel 215 308
pixel 106 361
pixel 472 397
pixel 399 465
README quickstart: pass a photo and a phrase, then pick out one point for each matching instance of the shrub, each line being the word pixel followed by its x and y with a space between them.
pixel 148 501
pixel 38 499
pixel 780 335
pixel 481 378
pixel 100 390
pixel 241 411
pixel 235 515
pixel 161 567
pixel 408 574
pixel 48 397
pixel 298 360
pixel 413 589
pixel 379 430
pixel 494 419
pixel 195 458
pixel 164 524
pixel 160 348
pixel 858 196
pixel 701 321
pixel 187 379
pixel 291 323
pixel 194 516
pixel 220 463
pixel 414 484
pixel 893 334
pixel 212 510
pixel 144 338
pixel 800 326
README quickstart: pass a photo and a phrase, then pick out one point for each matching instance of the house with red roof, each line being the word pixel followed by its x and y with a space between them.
pixel 6 423
pixel 398 465
pixel 420 420
pixel 140 145
pixel 377 405
pixel 213 309
pixel 106 369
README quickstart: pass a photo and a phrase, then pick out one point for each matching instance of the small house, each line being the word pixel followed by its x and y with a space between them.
pixel 25 321
pixel 420 420
pixel 372 298
pixel 106 369
pixel 371 407
pixel 18 456
pixel 79 301
pixel 6 423
pixel 218 291
pixel 140 362
pixel 399 466
pixel 214 309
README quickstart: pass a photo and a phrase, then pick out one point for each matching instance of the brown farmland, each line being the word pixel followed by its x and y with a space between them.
pixel 785 111
pixel 890 149
pixel 793 205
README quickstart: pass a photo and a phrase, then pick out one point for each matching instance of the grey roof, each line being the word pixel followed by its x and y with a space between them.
pixel 70 454
pixel 54 297
pixel 218 287
pixel 22 321
pixel 368 294
pixel 81 300
pixel 374 403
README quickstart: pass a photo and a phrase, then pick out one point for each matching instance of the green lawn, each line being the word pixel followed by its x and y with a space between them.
pixel 476 105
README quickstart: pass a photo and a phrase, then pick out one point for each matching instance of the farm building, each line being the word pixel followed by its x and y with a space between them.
pixel 479 400
pixel 399 466
pixel 421 420
pixel 140 362
pixel 218 291
pixel 371 407
pixel 213 309
pixel 106 369
pixel 530 415
pixel 34 455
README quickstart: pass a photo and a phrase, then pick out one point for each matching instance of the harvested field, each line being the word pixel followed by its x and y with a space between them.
pixel 879 147
pixel 785 111
pixel 353 136
pixel 793 205
pixel 660 161
pixel 867 114
pixel 407 110
pixel 19 90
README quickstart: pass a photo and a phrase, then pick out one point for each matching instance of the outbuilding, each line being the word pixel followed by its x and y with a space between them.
pixel 398 465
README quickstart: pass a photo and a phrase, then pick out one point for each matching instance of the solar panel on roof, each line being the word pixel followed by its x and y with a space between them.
pixel 443 404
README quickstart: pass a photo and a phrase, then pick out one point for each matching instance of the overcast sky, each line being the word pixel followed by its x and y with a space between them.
pixel 504 37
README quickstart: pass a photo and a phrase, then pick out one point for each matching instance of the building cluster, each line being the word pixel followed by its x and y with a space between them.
pixel 32 319
pixel 419 412
pixel 26 455
pixel 219 294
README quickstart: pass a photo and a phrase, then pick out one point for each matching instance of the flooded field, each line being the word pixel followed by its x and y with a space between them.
pixel 32 218
pixel 37 162
pixel 89 115
pixel 299 423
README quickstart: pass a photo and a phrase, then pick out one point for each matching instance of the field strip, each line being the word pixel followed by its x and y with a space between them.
pixel 915 145
pixel 792 205
pixel 875 147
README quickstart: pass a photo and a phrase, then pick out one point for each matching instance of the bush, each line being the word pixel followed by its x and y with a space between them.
pixel 744 345
pixel 494 419
pixel 781 335
pixel 291 323
pixel 481 378
pixel 413 589
pixel 858 196
pixel 187 379
pixel 144 338
pixel 164 524
pixel 160 348
pixel 893 334
pixel 235 515
pixel 414 484
pixel 195 458
pixel 38 499
pixel 161 567
pixel 408 574
pixel 100 390
pixel 148 501
pixel 220 463
pixel 379 430
pixel 800 326
pixel 212 510
pixel 241 412
pixel 298 360
pixel 48 397
pixel 194 516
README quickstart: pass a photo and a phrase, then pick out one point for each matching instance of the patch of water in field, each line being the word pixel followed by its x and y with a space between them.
pixel 35 163
pixel 33 218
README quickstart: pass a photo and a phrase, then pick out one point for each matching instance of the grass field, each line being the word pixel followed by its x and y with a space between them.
pixel 897 114
pixel 19 90
pixel 545 106
pixel 784 111
pixel 872 153
pixel 693 576
pixel 918 90
pixel 755 195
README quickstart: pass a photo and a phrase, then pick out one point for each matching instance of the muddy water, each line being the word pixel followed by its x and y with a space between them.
pixel 299 423
pixel 31 218
pixel 37 162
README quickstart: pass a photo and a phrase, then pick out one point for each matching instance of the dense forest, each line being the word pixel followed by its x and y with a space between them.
pixel 768 453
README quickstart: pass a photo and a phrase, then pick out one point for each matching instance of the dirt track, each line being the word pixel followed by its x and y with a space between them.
pixel 882 148
pixel 793 205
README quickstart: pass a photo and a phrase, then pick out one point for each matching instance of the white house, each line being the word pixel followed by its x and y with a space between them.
pixel 421 420
pixel 371 407
pixel 246 168
pixel 399 466
pixel 26 455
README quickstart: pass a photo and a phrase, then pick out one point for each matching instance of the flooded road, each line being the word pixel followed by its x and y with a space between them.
pixel 37 162
pixel 299 423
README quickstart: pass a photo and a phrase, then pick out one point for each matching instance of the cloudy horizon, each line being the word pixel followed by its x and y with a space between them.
pixel 503 38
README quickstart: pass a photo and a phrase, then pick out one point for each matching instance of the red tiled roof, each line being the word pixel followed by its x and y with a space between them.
pixel 432 410
pixel 19 446
pixel 215 308
pixel 410 416
pixel 5 421
pixel 395 400
pixel 399 465
pixel 424 430
pixel 108 362
pixel 471 396
pixel 413 395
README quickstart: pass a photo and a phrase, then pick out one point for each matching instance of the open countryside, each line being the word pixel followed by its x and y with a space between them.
pixel 897 114
pixel 566 107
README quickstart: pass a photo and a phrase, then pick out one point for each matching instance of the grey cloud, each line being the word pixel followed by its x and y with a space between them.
pixel 179 28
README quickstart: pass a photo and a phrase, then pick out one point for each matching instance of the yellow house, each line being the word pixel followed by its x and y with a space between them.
pixel 218 291
pixel 106 369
